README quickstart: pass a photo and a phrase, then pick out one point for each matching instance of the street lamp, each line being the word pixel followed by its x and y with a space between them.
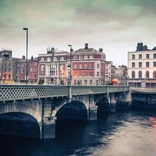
pixel 69 77
pixel 26 29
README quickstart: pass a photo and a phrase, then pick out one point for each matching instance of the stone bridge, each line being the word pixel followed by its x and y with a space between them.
pixel 144 98
pixel 45 104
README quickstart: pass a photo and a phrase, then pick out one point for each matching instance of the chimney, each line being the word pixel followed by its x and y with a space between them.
pixel 86 46
pixel 100 50
pixel 23 57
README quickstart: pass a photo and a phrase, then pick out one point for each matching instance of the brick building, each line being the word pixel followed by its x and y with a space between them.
pixel 88 66
pixel 33 70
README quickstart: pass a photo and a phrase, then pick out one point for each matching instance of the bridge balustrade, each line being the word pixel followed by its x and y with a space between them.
pixel 22 92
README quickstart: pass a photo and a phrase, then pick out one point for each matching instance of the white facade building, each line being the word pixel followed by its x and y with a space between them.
pixel 142 68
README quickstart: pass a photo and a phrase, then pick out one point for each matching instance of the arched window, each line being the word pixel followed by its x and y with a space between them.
pixel 140 74
pixel 48 59
pixel 55 58
pixel 42 59
pixel 147 74
pixel 62 59
pixel 133 74
pixel 154 74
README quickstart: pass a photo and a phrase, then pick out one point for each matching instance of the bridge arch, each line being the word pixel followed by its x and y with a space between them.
pixel 103 107
pixel 74 110
pixel 19 124
pixel 21 108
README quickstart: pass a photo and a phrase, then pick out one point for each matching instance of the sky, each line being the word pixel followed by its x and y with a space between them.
pixel 114 25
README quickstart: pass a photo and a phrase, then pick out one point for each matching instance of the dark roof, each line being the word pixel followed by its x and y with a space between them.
pixel 86 50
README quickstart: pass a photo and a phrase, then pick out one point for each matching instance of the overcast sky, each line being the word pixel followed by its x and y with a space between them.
pixel 114 25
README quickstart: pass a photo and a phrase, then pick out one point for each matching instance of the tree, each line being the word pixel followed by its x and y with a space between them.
pixel 41 81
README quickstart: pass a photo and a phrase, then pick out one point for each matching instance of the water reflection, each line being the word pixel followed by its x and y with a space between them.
pixel 120 134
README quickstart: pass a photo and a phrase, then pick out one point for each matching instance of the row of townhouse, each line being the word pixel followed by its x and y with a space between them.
pixel 88 67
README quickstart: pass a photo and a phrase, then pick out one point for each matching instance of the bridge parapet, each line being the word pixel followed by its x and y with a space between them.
pixel 23 92
pixel 143 90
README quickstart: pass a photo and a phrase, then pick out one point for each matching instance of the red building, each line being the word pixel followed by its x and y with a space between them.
pixel 88 66
pixel 33 71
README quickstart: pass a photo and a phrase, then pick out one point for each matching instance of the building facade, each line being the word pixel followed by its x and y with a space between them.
pixel 108 72
pixel 33 70
pixel 121 74
pixel 52 67
pixel 142 67
pixel 88 66
pixel 8 67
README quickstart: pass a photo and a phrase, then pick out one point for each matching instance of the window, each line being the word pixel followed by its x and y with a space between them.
pixel 140 64
pixel 74 82
pixel 31 69
pixel 91 57
pixel 147 56
pixel 75 66
pixel 154 64
pixel 85 82
pixel 62 59
pixel 35 76
pixel 42 59
pixel 147 64
pixel 90 66
pixel 154 74
pixel 154 55
pixel 85 57
pixel 85 74
pixel 91 82
pixel 97 73
pixel 91 74
pixel 48 59
pixel 133 64
pixel 85 66
pixel 98 65
pixel 42 69
pixel 80 74
pixel 133 57
pixel 140 56
pixel 55 58
pixel 147 74
pixel 9 76
pixel 140 74
pixel 80 66
pixel 80 57
pixel 133 74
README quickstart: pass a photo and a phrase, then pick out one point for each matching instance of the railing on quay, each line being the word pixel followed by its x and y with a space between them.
pixel 23 92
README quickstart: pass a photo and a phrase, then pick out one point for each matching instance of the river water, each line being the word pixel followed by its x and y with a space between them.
pixel 130 133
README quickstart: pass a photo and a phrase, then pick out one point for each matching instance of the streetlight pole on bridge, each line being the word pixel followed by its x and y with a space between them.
pixel 70 76
pixel 26 29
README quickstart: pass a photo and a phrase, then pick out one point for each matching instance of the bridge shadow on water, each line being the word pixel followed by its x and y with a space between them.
pixel 74 137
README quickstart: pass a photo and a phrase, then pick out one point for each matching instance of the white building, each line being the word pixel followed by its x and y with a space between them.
pixel 108 72
pixel 142 67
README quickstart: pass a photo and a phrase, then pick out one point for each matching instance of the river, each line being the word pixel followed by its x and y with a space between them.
pixel 131 133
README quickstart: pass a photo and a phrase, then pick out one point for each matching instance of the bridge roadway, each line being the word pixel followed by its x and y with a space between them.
pixel 23 92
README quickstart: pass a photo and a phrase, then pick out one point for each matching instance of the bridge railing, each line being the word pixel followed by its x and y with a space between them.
pixel 22 92
pixel 143 90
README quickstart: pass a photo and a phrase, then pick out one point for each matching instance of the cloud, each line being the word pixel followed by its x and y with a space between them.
pixel 57 22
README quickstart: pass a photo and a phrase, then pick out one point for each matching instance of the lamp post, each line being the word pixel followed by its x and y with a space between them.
pixel 26 29
pixel 69 77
